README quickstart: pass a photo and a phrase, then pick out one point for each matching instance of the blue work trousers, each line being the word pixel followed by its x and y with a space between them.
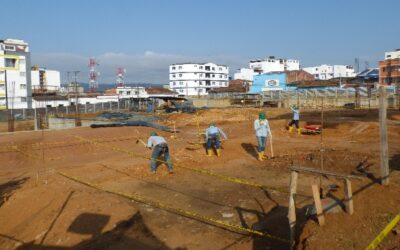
pixel 214 138
pixel 261 141
pixel 159 150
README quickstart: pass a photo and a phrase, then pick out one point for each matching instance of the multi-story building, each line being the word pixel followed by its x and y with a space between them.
pixel 389 69
pixel 268 65
pixel 44 80
pixel 244 74
pixel 15 74
pixel 326 72
pixel 272 64
pixel 392 54
pixel 197 78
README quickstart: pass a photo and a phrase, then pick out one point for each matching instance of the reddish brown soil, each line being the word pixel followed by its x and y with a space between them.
pixel 40 209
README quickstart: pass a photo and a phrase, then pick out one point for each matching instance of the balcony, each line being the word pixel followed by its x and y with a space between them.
pixel 44 90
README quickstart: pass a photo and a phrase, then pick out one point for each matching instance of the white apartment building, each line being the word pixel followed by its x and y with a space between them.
pixel 262 66
pixel 326 72
pixel 15 74
pixel 392 54
pixel 244 74
pixel 272 64
pixel 131 92
pixel 44 79
pixel 192 79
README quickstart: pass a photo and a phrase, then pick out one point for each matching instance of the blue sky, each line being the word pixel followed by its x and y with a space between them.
pixel 146 36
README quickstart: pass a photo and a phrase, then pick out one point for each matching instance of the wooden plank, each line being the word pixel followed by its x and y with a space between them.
pixel 318 206
pixel 384 169
pixel 348 194
pixel 323 172
pixel 292 206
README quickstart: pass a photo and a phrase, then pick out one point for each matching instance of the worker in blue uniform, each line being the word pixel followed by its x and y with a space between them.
pixel 213 138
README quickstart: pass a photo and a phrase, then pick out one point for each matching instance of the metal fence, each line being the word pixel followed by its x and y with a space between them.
pixel 41 117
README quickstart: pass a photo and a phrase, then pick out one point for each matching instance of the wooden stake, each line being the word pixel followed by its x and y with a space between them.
pixel 348 195
pixel 292 206
pixel 318 206
pixel 272 149
pixel 383 136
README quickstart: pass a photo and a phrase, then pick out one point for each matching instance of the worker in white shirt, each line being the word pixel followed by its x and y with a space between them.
pixel 261 126
pixel 160 147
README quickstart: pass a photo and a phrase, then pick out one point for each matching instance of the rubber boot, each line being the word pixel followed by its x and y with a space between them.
pixel 290 129
pixel 209 152
pixel 299 131
pixel 264 156
pixel 218 152
pixel 260 156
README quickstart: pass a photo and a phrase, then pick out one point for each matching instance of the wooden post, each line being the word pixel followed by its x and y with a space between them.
pixel 292 206
pixel 348 196
pixel 318 206
pixel 383 136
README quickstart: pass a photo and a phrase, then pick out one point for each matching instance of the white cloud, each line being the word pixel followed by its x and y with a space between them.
pixel 149 67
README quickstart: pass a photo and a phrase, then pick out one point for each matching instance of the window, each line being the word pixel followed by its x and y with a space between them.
pixel 220 76
pixel 173 76
pixel 173 83
pixel 195 65
pixel 128 92
pixel 220 69
pixel 180 67
pixel 195 73
pixel 9 47
pixel 22 86
pixel 173 68
pixel 201 67
pixel 22 74
pixel 195 80
pixel 180 83
pixel 23 99
pixel 201 75
pixel 213 75
pixel 213 68
pixel 10 62
pixel 180 75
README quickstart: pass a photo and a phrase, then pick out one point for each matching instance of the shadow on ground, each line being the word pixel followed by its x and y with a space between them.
pixel 6 189
pixel 128 234
pixel 250 149
pixel 394 163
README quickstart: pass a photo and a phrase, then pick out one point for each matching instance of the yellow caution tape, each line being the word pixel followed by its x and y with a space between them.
pixel 382 235
pixel 185 213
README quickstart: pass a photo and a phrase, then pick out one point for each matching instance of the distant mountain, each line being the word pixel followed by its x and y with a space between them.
pixel 105 86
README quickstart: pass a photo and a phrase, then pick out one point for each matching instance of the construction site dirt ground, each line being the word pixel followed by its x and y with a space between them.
pixel 42 209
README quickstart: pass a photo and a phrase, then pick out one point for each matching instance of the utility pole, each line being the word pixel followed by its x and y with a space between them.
pixel 78 122
pixel 384 151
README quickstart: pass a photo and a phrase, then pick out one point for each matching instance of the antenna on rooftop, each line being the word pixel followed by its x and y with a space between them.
pixel 120 77
pixel 357 65
pixel 366 65
pixel 93 63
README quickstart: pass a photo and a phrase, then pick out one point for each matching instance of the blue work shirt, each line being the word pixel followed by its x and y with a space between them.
pixel 296 113
pixel 214 130
pixel 155 140
pixel 262 128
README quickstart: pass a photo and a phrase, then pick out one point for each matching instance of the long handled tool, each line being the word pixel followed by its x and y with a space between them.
pixel 272 149
pixel 140 140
